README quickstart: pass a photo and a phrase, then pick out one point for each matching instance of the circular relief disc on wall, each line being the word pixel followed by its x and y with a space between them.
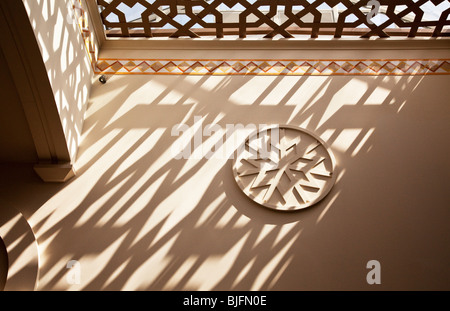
pixel 284 168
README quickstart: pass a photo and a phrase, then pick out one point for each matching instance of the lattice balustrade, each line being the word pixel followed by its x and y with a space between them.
pixel 269 19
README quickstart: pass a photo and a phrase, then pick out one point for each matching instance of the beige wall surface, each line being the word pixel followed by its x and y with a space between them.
pixel 66 60
pixel 136 218
pixel 16 143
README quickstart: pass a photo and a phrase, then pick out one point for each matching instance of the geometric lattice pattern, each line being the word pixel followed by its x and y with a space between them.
pixel 284 168
pixel 270 18
pixel 273 67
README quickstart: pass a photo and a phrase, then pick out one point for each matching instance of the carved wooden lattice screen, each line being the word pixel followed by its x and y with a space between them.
pixel 269 18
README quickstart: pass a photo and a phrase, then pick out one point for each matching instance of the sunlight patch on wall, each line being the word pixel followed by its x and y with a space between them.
pixel 225 261
pixel 280 88
pixel 305 123
pixel 328 206
pixel 141 150
pixel 344 96
pixel 45 248
pixel 44 51
pixel 416 83
pixel 189 115
pixel 181 272
pixel 52 273
pixel 209 211
pixel 90 149
pixel 172 98
pixel 249 92
pixel 215 83
pixel 268 272
pixel 107 96
pixel 149 271
pixel 124 141
pixel 290 90
pixel 378 96
pixel 45 14
pixel 180 203
pixel 21 261
pixel 156 213
pixel 116 273
pixel 133 203
pixel 345 139
pixel 243 272
pixel 281 270
pixel 50 213
pixel 304 97
pixel 284 230
pixel 264 232
pixel 99 206
pixel 66 50
pixel 280 231
pixel 241 222
pixel 363 141
pixel 95 264
pixel 327 134
pixel 226 218
pixel 141 96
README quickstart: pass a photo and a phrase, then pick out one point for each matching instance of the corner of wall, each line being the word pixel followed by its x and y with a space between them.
pixel 68 50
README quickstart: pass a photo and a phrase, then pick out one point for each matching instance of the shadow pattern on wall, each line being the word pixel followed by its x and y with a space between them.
pixel 67 62
pixel 138 219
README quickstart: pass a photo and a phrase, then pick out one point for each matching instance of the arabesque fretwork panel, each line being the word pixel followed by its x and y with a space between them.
pixel 275 18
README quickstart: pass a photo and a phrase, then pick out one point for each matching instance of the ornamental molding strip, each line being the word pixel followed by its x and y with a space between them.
pixel 372 67
pixel 285 168
pixel 295 67
pixel 79 15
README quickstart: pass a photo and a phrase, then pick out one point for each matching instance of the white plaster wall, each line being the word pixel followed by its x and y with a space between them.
pixel 67 62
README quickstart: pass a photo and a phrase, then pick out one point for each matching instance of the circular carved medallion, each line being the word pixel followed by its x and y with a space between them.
pixel 284 168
